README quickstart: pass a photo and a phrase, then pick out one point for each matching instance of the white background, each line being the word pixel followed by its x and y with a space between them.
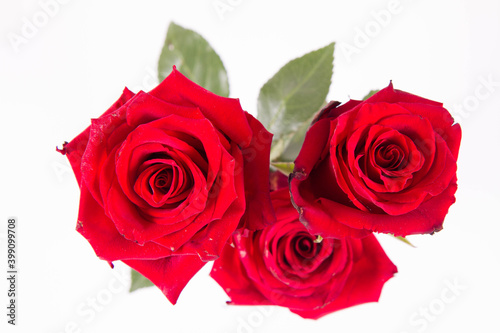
pixel 76 63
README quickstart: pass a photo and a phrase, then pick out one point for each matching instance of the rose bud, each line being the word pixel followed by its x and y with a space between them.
pixel 387 164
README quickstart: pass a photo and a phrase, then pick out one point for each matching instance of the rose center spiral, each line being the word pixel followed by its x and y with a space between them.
pixel 305 247
pixel 390 157
pixel 163 179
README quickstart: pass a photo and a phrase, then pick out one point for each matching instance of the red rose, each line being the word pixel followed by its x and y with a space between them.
pixel 284 265
pixel 166 178
pixel 387 164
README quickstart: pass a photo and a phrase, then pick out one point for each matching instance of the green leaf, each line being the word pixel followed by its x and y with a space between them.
pixel 278 147
pixel 294 145
pixel 139 281
pixel 193 57
pixel 292 96
pixel 371 93
pixel 285 167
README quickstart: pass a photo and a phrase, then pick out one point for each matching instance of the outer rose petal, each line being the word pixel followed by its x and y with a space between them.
pixel 230 273
pixel 98 152
pixel 259 212
pixel 177 89
pixel 146 108
pixel 365 282
pixel 333 109
pixel 333 218
pixel 95 226
pixel 170 274
pixel 317 140
pixel 391 95
pixel 75 149
pixel 310 206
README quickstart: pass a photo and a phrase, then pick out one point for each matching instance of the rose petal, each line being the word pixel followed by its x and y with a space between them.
pixel 316 140
pixel 365 281
pixel 427 218
pixel 146 108
pixel 391 95
pixel 209 242
pixel 259 211
pixel 170 274
pixel 229 272
pixel 106 241
pixel 177 89
pixel 76 147
pixel 319 220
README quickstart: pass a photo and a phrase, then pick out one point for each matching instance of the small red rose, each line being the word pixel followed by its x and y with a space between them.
pixel 387 164
pixel 167 176
pixel 285 265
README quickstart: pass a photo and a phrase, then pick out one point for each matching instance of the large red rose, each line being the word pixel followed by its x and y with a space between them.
pixel 387 164
pixel 285 265
pixel 167 176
